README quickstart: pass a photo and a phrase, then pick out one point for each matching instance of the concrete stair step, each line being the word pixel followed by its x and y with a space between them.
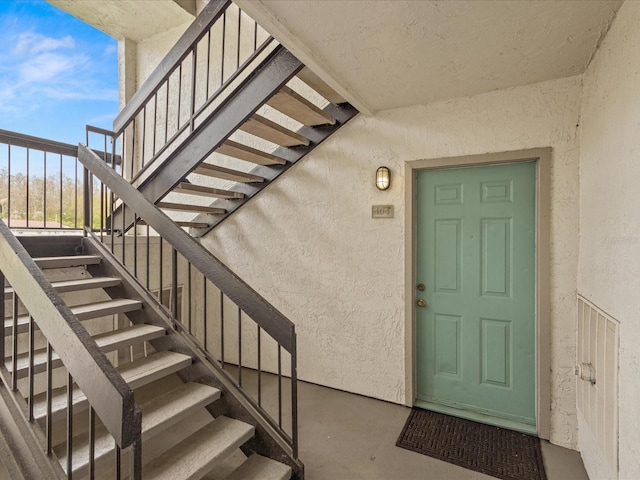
pixel 273 132
pixel 257 467
pixel 83 312
pixel 198 454
pixel 299 108
pixel 108 342
pixel 67 261
pixel 76 285
pixel 249 154
pixel 136 374
pixel 158 415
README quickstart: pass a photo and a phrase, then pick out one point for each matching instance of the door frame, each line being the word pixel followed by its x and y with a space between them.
pixel 542 157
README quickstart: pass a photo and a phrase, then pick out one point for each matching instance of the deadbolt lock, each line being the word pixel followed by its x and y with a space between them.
pixel 422 303
pixel 421 287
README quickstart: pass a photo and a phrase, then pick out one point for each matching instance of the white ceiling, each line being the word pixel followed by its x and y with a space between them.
pixel 134 19
pixel 389 54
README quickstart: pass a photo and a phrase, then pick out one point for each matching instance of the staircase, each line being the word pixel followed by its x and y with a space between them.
pixel 134 352
pixel 181 439
pixel 267 115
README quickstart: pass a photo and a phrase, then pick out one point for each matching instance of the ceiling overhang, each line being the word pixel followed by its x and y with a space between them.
pixel 390 54
pixel 133 19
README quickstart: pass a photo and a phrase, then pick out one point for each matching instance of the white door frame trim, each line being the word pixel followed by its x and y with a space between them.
pixel 542 156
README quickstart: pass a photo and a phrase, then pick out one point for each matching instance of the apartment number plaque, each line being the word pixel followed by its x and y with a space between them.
pixel 382 211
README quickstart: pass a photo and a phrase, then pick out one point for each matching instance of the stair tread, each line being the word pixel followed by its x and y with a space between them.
pixel 195 457
pixel 137 373
pixel 299 108
pixel 257 467
pixel 249 154
pixel 158 414
pixel 183 223
pixel 227 173
pixel 320 86
pixel 191 208
pixel 191 189
pixel 67 261
pixel 77 285
pixel 271 131
pixel 107 342
pixel 84 312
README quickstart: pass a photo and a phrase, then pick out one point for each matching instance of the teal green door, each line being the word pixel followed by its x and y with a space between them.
pixel 475 331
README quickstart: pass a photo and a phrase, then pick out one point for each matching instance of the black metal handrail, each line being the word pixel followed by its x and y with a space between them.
pixel 109 396
pixel 159 114
pixel 250 305
pixel 41 182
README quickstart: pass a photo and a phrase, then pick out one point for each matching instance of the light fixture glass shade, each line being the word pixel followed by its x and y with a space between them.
pixel 383 178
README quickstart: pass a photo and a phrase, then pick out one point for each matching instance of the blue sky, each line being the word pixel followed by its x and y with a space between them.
pixel 57 74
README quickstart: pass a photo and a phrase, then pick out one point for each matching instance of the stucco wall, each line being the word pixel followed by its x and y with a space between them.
pixel 610 219
pixel 308 243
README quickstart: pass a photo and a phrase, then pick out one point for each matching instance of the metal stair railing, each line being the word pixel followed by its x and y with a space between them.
pixel 214 56
pixel 88 369
pixel 239 332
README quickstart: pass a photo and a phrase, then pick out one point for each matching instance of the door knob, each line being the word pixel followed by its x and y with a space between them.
pixel 422 303
pixel 421 287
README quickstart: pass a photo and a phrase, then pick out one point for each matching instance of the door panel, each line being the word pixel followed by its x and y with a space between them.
pixel 475 338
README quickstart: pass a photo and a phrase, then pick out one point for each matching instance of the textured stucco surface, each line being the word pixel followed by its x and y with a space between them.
pixel 391 54
pixel 309 245
pixel 609 219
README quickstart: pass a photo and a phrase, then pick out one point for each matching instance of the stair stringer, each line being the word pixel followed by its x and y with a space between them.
pixel 255 91
pixel 232 403
pixel 342 113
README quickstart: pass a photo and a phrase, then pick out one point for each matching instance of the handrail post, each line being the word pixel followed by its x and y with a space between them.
pixel 2 315
pixel 86 200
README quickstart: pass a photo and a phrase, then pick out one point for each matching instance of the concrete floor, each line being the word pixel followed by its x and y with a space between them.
pixel 350 437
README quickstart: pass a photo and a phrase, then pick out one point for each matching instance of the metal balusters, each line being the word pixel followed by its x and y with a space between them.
pixel 27 189
pixel 124 237
pixel 221 328
pixel 239 347
pixel 92 443
pixel 44 188
pixel 118 462
pixel 174 285
pixel 60 210
pixel 148 267
pixel 259 366
pixel 3 314
pixel 155 122
pixel 31 368
pixel 239 38
pixel 189 294
pixel 14 345
pixel 8 185
pixel 166 111
pixel 194 66
pixel 204 310
pixel 49 419
pixel 159 263
pixel 294 397
pixel 224 39
pixel 75 203
pixel 69 426
pixel 280 385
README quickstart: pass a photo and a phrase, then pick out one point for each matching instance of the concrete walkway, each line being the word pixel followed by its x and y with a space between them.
pixel 349 437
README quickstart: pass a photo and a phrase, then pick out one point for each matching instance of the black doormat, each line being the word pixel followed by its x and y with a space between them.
pixel 492 450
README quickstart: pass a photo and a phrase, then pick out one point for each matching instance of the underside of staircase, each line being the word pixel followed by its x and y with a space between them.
pixel 277 113
pixel 188 425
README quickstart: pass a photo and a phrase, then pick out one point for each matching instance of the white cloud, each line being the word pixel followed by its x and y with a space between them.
pixel 48 67
pixel 41 69
pixel 30 43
